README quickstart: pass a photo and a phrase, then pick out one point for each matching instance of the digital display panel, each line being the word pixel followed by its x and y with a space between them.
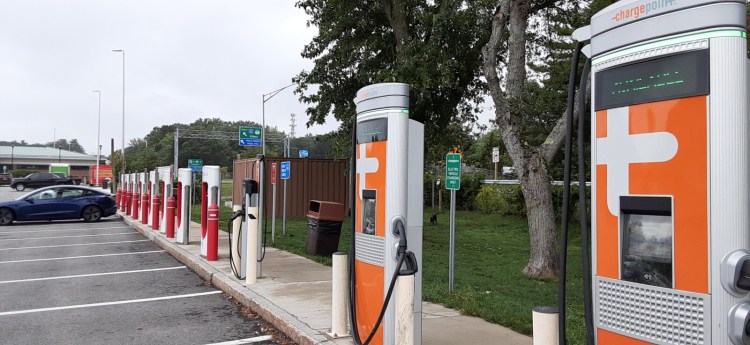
pixel 369 209
pixel 647 249
pixel 372 130
pixel 674 76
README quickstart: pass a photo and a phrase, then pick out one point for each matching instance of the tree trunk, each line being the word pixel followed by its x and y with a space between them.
pixel 540 214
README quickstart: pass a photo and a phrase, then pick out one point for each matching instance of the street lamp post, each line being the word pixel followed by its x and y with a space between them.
pixel 98 134
pixel 59 153
pixel 12 153
pixel 269 96
pixel 123 108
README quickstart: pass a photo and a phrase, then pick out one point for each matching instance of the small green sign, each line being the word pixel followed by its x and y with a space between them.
pixel 453 171
pixel 195 164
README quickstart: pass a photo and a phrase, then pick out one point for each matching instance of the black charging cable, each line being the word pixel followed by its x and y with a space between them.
pixel 235 271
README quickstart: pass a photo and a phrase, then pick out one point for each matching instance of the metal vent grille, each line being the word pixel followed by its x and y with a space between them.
pixel 370 249
pixel 653 314
pixel 652 53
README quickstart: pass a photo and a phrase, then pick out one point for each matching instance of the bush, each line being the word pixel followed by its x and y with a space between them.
pixel 470 186
pixel 21 173
pixel 502 199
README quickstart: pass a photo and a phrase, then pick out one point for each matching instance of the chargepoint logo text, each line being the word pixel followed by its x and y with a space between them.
pixel 642 9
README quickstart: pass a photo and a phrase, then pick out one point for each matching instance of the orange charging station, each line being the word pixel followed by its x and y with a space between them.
pixel 389 174
pixel 669 155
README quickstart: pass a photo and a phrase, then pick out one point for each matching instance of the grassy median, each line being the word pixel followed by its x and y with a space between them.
pixel 491 251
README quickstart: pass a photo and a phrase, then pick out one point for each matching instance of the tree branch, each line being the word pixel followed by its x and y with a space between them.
pixel 395 11
pixel 554 140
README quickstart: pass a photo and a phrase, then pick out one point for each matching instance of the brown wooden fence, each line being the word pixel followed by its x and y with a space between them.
pixel 310 179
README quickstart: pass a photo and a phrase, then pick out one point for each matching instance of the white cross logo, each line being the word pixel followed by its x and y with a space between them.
pixel 619 149
pixel 365 166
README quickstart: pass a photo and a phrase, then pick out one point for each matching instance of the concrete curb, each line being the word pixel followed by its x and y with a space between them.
pixel 279 318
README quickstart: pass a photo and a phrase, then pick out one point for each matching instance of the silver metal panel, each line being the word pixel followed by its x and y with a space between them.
pixel 728 169
pixel 370 249
pixel 650 54
pixel 727 14
pixel 384 95
pixel 415 215
pixel 630 11
pixel 653 314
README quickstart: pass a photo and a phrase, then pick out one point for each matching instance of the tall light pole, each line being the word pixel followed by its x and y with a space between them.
pixel 59 153
pixel 98 134
pixel 123 108
pixel 269 96
pixel 12 152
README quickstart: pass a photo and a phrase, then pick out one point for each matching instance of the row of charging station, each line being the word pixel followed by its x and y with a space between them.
pixel 154 199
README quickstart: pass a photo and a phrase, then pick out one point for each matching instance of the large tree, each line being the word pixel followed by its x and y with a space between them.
pixel 434 46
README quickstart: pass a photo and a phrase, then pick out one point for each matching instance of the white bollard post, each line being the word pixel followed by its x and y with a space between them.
pixel 404 310
pixel 251 273
pixel 340 295
pixel 544 326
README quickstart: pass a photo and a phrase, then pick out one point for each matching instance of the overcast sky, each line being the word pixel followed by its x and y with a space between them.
pixel 184 60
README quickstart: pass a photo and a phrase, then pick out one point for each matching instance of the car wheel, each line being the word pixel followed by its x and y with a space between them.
pixel 20 187
pixel 91 214
pixel 6 216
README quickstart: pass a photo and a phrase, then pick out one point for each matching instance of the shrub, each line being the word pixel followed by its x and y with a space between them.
pixel 21 173
pixel 490 200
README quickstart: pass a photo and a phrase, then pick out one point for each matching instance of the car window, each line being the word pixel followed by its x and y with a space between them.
pixel 44 195
pixel 71 192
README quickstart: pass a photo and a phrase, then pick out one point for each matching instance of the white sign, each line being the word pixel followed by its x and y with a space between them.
pixel 495 155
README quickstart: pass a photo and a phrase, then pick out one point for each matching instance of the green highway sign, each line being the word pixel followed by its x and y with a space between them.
pixel 195 164
pixel 453 171
pixel 250 136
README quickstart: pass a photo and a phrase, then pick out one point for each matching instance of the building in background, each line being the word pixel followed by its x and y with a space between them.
pixel 39 159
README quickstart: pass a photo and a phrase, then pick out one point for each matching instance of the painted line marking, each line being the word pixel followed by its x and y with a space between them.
pixel 79 306
pixel 73 245
pixel 245 341
pixel 80 257
pixel 56 237
pixel 55 230
pixel 90 275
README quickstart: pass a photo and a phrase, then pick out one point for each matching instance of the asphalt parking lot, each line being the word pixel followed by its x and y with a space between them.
pixel 104 283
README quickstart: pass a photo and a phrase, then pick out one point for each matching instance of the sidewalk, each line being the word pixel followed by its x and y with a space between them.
pixel 294 295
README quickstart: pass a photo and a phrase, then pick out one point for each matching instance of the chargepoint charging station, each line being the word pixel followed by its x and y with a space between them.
pixel 669 154
pixel 185 191
pixel 389 149
pixel 210 196
pixel 165 178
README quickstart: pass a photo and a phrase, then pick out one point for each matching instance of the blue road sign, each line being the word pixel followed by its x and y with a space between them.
pixel 302 153
pixel 251 142
pixel 285 170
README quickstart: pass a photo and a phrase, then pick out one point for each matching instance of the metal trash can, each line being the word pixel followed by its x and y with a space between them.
pixel 324 220
pixel 105 183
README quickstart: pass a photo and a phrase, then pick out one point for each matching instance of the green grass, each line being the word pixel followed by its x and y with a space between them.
pixel 491 251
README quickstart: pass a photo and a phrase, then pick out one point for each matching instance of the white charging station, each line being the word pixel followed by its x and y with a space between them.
pixel 669 155
pixel 165 178
pixel 210 195
pixel 185 185
pixel 152 181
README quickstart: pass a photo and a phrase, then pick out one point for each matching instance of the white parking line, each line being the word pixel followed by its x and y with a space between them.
pixel 90 275
pixel 79 306
pixel 73 245
pixel 245 341
pixel 74 229
pixel 79 257
pixel 56 237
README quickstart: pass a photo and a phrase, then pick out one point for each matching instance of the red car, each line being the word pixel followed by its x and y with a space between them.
pixel 5 179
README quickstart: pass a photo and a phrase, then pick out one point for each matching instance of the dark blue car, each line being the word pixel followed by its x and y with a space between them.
pixel 57 203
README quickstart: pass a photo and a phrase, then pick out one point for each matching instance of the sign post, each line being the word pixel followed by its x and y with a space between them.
pixel 452 183
pixel 495 158
pixel 285 174
pixel 251 136
pixel 273 202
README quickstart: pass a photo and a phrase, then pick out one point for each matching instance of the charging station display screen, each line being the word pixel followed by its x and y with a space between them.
pixel 675 76
pixel 372 130
pixel 368 212
pixel 647 249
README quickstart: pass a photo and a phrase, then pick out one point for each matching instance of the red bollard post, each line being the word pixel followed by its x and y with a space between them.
pixel 136 205
pixel 144 208
pixel 171 202
pixel 128 203
pixel 155 205
pixel 212 253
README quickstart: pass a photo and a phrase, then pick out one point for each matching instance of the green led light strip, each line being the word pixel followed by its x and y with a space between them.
pixel 671 41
